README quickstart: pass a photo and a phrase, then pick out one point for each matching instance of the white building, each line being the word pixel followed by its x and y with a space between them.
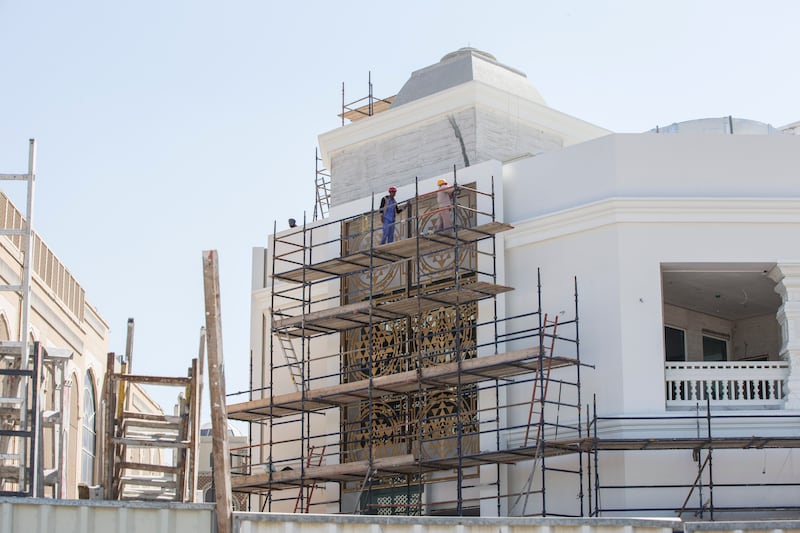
pixel 681 242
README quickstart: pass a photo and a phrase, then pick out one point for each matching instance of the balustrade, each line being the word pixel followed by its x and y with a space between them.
pixel 727 384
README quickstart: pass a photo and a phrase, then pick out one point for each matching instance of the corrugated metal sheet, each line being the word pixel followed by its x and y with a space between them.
pixel 43 515
pixel 296 523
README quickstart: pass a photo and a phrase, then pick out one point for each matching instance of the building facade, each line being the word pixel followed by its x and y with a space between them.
pixel 73 340
pixel 664 256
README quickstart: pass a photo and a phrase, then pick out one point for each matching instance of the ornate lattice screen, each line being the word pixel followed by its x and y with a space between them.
pixel 431 422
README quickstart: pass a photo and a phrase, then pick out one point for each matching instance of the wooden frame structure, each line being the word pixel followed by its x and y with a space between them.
pixel 133 441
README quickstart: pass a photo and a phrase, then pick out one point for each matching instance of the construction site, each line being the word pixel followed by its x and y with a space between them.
pixel 392 384
pixel 403 405
pixel 397 372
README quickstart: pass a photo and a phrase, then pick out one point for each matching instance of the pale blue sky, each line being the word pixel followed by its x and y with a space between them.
pixel 168 127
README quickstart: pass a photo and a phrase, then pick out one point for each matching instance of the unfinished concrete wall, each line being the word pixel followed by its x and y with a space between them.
pixel 502 138
pixel 426 150
pixel 463 139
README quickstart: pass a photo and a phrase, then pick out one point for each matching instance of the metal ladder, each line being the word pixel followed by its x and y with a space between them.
pixel 323 186
pixel 20 446
pixel 287 348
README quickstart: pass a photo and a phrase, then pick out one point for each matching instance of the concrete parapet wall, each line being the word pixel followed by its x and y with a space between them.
pixel 771 526
pixel 273 523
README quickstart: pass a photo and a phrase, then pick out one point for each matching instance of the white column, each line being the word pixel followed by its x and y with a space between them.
pixel 787 277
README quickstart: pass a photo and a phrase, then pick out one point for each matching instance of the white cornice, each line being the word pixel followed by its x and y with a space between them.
pixel 653 210
pixel 464 96
pixel 681 424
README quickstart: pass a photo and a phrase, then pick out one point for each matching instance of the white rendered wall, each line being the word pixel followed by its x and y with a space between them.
pixel 653 166
pixel 612 212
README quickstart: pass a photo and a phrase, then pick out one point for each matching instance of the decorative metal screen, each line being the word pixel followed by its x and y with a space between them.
pixel 401 499
pixel 365 231
pixel 395 424
pixel 426 422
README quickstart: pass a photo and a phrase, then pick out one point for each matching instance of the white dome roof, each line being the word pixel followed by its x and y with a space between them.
pixel 462 66
pixel 726 125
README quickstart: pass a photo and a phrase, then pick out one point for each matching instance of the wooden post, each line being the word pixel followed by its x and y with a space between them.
pixel 198 405
pixel 108 459
pixel 129 362
pixel 216 381
pixel 194 431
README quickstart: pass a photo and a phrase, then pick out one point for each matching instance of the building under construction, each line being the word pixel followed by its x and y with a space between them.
pixel 434 365
pixel 442 373
pixel 402 411
pixel 394 385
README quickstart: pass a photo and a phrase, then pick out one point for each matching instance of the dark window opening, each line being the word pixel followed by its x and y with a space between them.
pixel 674 344
pixel 714 349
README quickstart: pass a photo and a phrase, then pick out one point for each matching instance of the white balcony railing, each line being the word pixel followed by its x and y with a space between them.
pixel 750 385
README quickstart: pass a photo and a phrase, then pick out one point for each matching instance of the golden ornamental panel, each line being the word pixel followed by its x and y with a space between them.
pixel 362 234
pixel 381 424
pixel 432 421
pixel 381 353
pixel 393 346
pixel 441 265
pixel 423 215
pixel 436 335
pixel 438 415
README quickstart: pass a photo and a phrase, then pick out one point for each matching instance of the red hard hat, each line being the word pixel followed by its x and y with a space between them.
pixel 392 189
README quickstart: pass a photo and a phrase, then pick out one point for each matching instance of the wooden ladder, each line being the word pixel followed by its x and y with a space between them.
pixel 548 354
pixel 313 459
pixel 132 472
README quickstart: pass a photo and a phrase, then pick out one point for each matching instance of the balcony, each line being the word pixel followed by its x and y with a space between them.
pixel 727 385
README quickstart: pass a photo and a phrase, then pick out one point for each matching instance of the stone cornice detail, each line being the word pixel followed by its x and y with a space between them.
pixel 652 210
pixel 677 424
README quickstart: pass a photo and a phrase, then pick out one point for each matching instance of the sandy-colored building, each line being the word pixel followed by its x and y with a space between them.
pixel 73 342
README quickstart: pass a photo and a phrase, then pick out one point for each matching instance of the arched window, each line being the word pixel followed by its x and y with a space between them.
pixel 6 382
pixel 3 328
pixel 89 432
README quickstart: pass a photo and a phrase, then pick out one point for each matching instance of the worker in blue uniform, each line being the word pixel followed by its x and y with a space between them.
pixel 389 211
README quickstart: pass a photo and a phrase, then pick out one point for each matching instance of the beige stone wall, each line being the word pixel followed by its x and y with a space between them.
pixel 60 318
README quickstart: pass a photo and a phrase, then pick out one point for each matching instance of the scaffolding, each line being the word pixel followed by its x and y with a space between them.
pixel 405 343
pixel 394 381
pixel 364 107
pixel 704 438
pixel 33 385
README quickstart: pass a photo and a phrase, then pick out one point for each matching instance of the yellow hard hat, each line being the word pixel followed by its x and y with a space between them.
pixel 441 182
